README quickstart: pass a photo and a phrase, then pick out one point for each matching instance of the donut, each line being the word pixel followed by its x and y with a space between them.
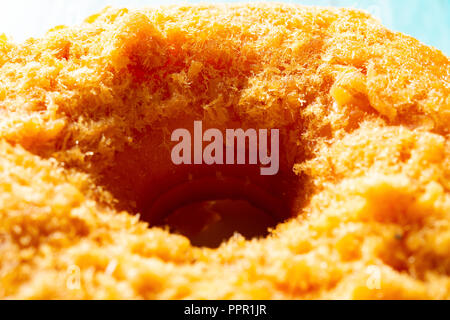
pixel 92 207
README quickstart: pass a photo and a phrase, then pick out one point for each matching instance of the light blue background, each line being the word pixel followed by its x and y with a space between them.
pixel 426 20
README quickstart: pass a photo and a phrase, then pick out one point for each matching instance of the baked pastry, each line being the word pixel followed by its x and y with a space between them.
pixel 86 114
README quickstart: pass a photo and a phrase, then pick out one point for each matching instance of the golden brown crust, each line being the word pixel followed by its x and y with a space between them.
pixel 365 114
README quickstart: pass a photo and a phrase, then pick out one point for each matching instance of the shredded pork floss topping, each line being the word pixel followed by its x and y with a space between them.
pixel 368 111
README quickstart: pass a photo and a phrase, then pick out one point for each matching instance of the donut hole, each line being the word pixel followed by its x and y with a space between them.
pixel 206 203
pixel 210 210
pixel 210 223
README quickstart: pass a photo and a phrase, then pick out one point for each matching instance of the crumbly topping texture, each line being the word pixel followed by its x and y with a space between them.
pixel 368 111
